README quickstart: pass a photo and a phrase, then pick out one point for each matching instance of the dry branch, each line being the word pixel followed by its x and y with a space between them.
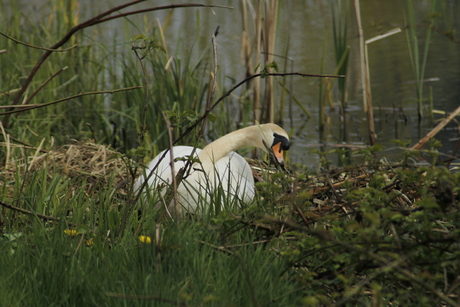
pixel 35 47
pixel 436 129
pixel 36 106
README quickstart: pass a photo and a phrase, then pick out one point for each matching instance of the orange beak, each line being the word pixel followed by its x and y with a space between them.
pixel 279 153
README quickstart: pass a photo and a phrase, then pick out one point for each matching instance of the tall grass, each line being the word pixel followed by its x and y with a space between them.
pixel 419 57
pixel 262 42
pixel 341 47
pixel 356 237
pixel 176 86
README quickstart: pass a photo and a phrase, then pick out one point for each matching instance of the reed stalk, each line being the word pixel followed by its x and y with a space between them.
pixel 264 36
pixel 419 61
pixel 365 81
pixel 269 38
pixel 341 47
pixel 251 50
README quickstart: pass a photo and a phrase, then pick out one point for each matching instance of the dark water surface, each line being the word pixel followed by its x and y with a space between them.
pixel 305 31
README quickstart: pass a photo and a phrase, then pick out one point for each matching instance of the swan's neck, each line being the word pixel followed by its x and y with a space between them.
pixel 249 136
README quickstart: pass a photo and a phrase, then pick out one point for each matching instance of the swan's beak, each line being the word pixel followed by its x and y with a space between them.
pixel 279 153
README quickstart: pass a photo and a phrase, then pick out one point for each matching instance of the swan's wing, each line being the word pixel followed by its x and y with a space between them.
pixel 162 174
pixel 231 172
pixel 235 176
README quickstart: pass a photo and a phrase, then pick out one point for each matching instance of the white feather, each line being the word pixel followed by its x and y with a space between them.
pixel 219 166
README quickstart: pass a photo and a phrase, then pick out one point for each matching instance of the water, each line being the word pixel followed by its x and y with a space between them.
pixel 305 27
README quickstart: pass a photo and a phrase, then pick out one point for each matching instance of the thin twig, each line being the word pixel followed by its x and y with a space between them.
pixel 29 212
pixel 436 129
pixel 146 102
pixel 206 113
pixel 367 98
pixel 166 7
pixel 43 85
pixel 174 182
pixel 36 47
pixel 36 106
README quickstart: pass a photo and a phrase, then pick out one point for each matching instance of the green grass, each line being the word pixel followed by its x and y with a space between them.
pixel 371 234
pixel 373 247
pixel 60 270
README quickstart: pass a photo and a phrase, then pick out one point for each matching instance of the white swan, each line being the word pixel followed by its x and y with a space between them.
pixel 219 166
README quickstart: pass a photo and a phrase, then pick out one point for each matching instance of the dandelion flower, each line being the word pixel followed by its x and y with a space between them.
pixel 145 239
pixel 70 232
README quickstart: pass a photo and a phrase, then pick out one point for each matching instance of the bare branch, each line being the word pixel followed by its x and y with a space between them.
pixel 30 107
pixel 36 47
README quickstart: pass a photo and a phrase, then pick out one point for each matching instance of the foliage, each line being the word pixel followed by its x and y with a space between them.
pixel 351 236
pixel 360 235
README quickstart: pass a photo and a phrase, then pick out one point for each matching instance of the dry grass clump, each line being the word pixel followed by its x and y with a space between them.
pixel 89 162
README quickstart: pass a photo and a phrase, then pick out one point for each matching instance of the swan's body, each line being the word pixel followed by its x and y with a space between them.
pixel 219 166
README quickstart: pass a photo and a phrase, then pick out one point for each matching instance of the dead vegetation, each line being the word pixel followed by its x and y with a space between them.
pixel 86 164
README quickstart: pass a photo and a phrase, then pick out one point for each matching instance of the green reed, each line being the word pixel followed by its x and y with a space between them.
pixel 419 56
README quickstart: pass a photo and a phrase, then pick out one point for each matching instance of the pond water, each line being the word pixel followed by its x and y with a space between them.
pixel 304 33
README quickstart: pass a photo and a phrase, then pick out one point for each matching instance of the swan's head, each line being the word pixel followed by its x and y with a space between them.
pixel 277 139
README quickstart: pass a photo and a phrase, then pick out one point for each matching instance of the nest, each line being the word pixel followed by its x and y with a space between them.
pixel 313 197
pixel 89 162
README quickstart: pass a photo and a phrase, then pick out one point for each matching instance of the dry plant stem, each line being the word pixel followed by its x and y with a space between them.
pixel 36 106
pixel 90 22
pixel 146 82
pixel 6 137
pixel 367 99
pixel 28 212
pixel 36 47
pixel 454 154
pixel 250 48
pixel 269 31
pixel 436 129
pixel 43 85
pixel 216 247
pixel 213 81
pixel 241 83
pixel 257 51
pixel 174 182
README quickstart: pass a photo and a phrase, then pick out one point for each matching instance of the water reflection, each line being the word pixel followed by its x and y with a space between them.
pixel 304 27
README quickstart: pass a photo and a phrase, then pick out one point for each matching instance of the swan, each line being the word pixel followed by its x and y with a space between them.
pixel 218 166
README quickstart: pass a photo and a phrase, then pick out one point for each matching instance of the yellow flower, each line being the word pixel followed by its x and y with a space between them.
pixel 89 242
pixel 70 232
pixel 145 239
